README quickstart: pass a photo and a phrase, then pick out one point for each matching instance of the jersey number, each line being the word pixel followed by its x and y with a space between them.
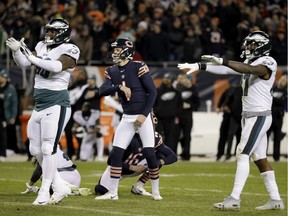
pixel 41 72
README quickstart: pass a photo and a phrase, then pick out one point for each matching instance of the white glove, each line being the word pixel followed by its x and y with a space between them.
pixel 29 189
pixel 14 44
pixel 192 67
pixel 213 59
pixel 26 51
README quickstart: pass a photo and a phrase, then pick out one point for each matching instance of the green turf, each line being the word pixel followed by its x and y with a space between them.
pixel 187 188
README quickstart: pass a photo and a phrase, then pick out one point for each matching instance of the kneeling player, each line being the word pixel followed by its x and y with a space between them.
pixel 134 164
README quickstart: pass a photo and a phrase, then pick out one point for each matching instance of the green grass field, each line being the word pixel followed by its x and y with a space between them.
pixel 187 188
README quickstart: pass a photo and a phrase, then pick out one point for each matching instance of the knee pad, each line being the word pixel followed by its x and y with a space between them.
pixel 116 156
pixel 34 149
pixel 242 157
pixel 150 156
pixel 100 190
pixel 47 147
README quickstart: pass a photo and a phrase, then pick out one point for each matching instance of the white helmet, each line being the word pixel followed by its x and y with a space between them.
pixel 263 45
pixel 61 26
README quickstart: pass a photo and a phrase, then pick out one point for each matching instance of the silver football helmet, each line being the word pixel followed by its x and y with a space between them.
pixel 62 28
pixel 262 42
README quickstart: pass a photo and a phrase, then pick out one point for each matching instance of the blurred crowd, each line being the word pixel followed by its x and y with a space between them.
pixel 167 30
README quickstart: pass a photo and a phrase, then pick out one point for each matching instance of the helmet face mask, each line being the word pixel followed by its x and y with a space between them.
pixel 57 31
pixel 126 51
pixel 255 45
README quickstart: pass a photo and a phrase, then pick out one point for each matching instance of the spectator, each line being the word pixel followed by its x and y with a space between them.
pixel 76 90
pixel 87 122
pixel 233 105
pixel 167 108
pixel 10 111
pixel 157 47
pixel 176 36
pixel 279 47
pixel 191 102
pixel 191 42
pixel 214 39
pixel 278 109
pixel 85 43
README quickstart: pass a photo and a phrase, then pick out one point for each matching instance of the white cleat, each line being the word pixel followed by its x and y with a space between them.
pixel 272 205
pixel 156 197
pixel 42 198
pixel 229 203
pixel 107 196
pixel 59 194
pixel 137 189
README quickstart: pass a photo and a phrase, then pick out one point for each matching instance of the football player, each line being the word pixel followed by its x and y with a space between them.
pixel 55 59
pixel 88 119
pixel 137 93
pixel 134 164
pixel 67 170
pixel 258 75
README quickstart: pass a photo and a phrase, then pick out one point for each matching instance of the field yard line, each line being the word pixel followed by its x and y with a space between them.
pixel 75 208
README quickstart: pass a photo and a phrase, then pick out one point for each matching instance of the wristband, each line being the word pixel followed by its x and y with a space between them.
pixel 225 62
pixel 202 66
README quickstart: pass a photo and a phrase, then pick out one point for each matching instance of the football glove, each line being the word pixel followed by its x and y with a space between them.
pixel 192 67
pixel 26 51
pixel 14 44
pixel 214 60
pixel 29 189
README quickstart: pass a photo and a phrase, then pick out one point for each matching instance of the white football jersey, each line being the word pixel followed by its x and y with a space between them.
pixel 90 122
pixel 49 79
pixel 62 160
pixel 257 92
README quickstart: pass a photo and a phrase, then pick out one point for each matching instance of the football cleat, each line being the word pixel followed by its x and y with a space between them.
pixel 138 189
pixel 42 198
pixel 59 194
pixel 29 189
pixel 107 196
pixel 156 197
pixel 272 205
pixel 229 203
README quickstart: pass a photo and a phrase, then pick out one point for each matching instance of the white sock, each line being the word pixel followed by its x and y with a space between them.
pixel 139 183
pixel 242 173
pixel 49 167
pixel 155 186
pixel 100 147
pixel 114 185
pixel 270 184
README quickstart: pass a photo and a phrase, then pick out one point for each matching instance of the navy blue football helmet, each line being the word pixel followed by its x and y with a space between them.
pixel 127 52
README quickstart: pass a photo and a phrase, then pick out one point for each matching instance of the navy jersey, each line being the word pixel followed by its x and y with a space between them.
pixel 133 154
pixel 134 75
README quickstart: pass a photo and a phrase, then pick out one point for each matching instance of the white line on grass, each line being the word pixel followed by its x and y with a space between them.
pixel 74 208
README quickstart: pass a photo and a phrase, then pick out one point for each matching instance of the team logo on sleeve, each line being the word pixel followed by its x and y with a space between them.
pixel 143 70
pixel 72 51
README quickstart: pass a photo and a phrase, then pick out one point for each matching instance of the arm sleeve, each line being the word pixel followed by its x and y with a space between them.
pixel 20 59
pixel 49 65
pixel 151 90
pixel 169 156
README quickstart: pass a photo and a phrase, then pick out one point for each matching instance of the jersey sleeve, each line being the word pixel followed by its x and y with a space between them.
pixel 270 63
pixel 72 51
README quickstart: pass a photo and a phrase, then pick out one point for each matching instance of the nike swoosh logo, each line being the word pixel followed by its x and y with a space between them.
pixel 112 197
pixel 48 114
pixel 42 202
